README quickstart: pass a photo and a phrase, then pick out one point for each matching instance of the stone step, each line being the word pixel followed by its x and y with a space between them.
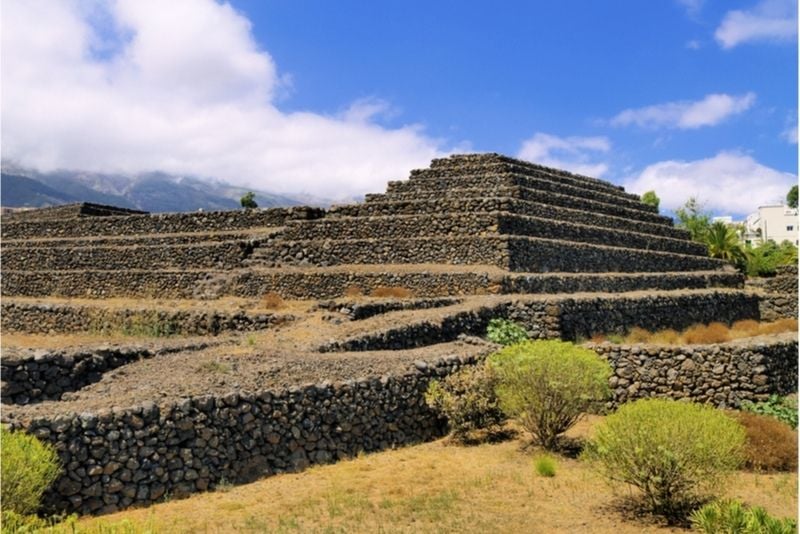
pixel 162 223
pixel 560 316
pixel 332 282
pixel 484 164
pixel 469 201
pixel 466 224
pixel 440 186
pixel 166 240
pixel 227 255
pixel 531 195
pixel 515 253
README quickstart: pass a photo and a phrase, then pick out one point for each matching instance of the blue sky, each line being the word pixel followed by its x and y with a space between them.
pixel 687 97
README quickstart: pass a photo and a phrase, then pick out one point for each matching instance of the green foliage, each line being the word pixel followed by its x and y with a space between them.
pixel 674 452
pixel 723 243
pixel 730 516
pixel 248 201
pixel 547 385
pixel 28 468
pixel 778 407
pixel 545 465
pixel 467 399
pixel 766 257
pixel 651 199
pixel 691 217
pixel 791 197
pixel 505 332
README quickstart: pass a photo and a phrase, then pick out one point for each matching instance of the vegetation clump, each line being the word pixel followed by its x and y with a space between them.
pixel 545 466
pixel 700 334
pixel 732 516
pixel 782 408
pixel 248 201
pixel 467 400
pixel 505 332
pixel 651 199
pixel 675 453
pixel 548 385
pixel 28 468
pixel 770 444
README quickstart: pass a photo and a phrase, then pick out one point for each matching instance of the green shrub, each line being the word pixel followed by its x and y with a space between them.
pixel 778 407
pixel 547 385
pixel 731 516
pixel 674 452
pixel 28 468
pixel 545 465
pixel 466 398
pixel 505 332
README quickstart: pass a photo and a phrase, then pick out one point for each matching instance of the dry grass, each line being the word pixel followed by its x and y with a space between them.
pixel 353 291
pixel 771 445
pixel 391 291
pixel 432 487
pixel 272 301
pixel 701 334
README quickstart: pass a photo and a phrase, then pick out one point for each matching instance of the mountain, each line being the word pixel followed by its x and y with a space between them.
pixel 154 191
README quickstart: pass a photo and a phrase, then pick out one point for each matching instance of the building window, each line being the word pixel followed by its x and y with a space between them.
pixel 790 228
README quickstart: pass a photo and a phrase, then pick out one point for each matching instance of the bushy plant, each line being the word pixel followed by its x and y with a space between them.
pixel 28 468
pixel 548 385
pixel 778 407
pixel 770 445
pixel 467 399
pixel 729 516
pixel 764 259
pixel 674 452
pixel 703 334
pixel 505 332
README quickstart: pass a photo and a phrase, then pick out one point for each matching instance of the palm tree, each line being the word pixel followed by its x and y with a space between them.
pixel 723 243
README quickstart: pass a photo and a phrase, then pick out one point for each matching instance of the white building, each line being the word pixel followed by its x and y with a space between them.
pixel 777 222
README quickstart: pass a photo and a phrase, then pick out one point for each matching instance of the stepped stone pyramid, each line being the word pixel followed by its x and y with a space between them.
pixel 493 210
pixel 468 224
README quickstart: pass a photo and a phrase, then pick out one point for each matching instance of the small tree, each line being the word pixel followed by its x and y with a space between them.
pixel 674 452
pixel 693 218
pixel 651 199
pixel 548 385
pixel 249 201
pixel 791 197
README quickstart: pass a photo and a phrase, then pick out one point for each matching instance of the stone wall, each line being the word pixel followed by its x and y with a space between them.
pixel 225 255
pixel 136 456
pixel 778 294
pixel 480 224
pixel 53 318
pixel 500 200
pixel 567 318
pixel 34 376
pixel 166 223
pixel 69 211
pixel 721 374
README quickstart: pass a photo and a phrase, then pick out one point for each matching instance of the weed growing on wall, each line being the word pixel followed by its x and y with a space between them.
pixel 505 332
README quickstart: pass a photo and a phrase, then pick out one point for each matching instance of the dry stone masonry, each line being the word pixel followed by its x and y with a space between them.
pixel 471 238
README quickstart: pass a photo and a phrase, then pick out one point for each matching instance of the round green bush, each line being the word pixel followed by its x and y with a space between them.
pixel 28 468
pixel 674 452
pixel 548 385
pixel 467 400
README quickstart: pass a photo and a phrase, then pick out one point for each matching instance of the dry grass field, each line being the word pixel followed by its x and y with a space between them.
pixel 433 487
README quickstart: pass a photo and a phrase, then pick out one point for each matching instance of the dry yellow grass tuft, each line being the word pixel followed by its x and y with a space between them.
pixel 711 333
pixel 353 291
pixel 391 291
pixel 272 301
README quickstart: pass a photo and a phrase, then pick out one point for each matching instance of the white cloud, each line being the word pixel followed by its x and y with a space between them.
pixel 730 183
pixel 182 87
pixel 790 134
pixel 768 20
pixel 686 114
pixel 569 153
pixel 694 44
pixel 692 7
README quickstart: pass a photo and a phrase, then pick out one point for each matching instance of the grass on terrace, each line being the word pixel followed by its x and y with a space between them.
pixel 433 487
